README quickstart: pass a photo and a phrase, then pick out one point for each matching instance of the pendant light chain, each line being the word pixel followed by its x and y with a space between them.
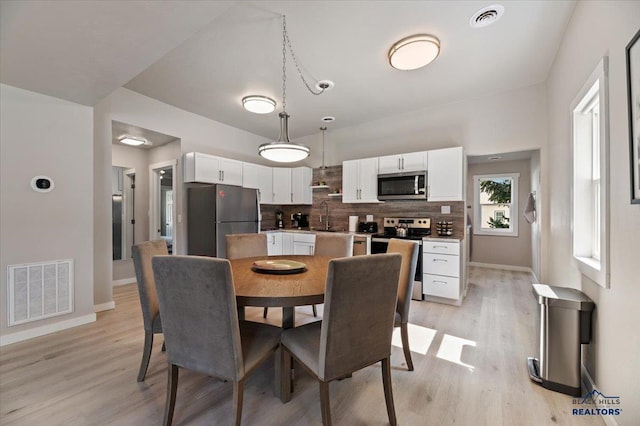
pixel 287 42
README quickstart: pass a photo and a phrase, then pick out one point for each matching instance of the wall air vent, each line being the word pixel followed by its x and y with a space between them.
pixel 40 290
pixel 486 16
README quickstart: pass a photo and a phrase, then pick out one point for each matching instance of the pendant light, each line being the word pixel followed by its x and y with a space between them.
pixel 283 150
pixel 323 168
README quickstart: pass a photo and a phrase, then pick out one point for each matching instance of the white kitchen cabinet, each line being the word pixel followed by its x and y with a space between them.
pixel 411 162
pixel 301 185
pixel 445 173
pixel 292 185
pixel 441 267
pixel 280 243
pixel 261 178
pixel 360 181
pixel 281 185
pixel 274 243
pixel 304 243
pixel 117 178
pixel 204 168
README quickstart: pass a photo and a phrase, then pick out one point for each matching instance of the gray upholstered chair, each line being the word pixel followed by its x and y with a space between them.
pixel 142 254
pixel 359 307
pixel 410 250
pixel 333 245
pixel 201 327
pixel 247 245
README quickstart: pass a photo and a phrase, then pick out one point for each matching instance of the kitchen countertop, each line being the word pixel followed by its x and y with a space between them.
pixel 441 238
pixel 314 231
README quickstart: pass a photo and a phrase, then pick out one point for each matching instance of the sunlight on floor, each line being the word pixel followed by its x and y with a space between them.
pixel 420 338
pixel 451 350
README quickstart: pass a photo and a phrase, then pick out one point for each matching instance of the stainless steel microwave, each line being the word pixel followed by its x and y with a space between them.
pixel 403 186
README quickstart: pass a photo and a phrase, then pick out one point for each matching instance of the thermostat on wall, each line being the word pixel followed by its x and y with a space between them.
pixel 42 184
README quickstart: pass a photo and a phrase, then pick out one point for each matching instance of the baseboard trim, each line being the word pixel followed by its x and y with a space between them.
pixel 31 333
pixel 124 281
pixel 104 306
pixel 590 385
pixel 505 267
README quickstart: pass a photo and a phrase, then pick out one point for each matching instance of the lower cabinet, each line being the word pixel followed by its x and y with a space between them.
pixel 441 267
pixel 282 243
pixel 304 243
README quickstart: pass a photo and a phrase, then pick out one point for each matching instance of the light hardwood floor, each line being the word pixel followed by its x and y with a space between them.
pixel 87 375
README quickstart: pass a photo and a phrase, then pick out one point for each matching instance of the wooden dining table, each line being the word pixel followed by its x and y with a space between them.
pixel 280 290
pixel 287 291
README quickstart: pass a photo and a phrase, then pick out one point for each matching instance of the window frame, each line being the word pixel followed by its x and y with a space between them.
pixel 512 231
pixel 590 176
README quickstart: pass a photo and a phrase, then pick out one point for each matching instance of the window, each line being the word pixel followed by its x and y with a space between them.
pixel 496 204
pixel 589 120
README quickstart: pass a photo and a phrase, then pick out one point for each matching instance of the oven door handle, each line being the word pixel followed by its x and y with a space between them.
pixel 380 240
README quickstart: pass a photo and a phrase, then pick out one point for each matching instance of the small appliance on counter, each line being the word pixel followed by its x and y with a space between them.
pixel 368 227
pixel 300 220
pixel 279 219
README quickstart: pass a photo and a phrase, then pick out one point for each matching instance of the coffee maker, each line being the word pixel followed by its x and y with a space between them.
pixel 299 220
pixel 279 219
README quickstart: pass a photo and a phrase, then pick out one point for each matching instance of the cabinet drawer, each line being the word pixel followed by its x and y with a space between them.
pixel 441 264
pixel 446 247
pixel 303 238
pixel 436 285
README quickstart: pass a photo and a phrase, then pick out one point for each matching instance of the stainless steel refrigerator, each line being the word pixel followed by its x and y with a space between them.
pixel 213 211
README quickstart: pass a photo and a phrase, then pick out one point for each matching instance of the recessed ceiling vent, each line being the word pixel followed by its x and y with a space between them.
pixel 486 16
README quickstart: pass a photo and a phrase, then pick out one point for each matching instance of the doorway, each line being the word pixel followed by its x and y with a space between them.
pixel 162 193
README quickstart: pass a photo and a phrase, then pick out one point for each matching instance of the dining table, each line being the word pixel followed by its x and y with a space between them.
pixel 265 287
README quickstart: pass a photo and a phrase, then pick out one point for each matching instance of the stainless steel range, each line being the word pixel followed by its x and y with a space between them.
pixel 413 228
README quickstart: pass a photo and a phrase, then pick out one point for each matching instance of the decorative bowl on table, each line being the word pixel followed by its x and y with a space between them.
pixel 278 266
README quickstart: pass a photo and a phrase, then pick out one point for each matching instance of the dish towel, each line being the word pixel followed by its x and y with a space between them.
pixel 530 209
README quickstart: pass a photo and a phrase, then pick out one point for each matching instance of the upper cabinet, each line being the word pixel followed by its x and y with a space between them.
pixel 292 186
pixel 301 185
pixel 261 178
pixel 206 168
pixel 445 173
pixel 360 181
pixel 411 162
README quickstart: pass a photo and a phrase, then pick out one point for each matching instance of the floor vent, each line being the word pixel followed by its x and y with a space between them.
pixel 40 290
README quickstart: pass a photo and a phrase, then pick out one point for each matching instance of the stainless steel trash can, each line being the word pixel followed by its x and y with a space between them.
pixel 565 324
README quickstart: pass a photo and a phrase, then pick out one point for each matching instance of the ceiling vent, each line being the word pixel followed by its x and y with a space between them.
pixel 486 16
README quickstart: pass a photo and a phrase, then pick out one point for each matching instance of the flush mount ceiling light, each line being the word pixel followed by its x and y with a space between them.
pixel 259 104
pixel 131 140
pixel 414 52
pixel 283 150
pixel 486 16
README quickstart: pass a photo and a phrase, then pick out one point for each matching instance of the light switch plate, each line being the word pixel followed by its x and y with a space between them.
pixel 445 209
pixel 369 218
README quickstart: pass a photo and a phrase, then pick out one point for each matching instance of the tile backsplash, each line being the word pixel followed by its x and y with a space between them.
pixel 339 212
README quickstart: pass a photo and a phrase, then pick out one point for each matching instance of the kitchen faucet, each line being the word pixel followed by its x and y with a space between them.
pixel 327 226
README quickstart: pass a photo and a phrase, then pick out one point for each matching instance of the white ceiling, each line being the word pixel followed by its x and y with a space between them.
pixel 204 56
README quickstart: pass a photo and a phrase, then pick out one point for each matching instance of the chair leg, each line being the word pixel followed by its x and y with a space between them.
pixel 238 393
pixel 172 388
pixel 315 311
pixel 264 312
pixel 325 405
pixel 388 393
pixel 146 355
pixel 404 332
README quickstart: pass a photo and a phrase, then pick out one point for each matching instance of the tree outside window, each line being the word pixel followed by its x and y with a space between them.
pixel 495 200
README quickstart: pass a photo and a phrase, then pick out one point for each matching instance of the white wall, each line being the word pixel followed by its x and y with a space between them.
pixel 597 28
pixel 41 135
pixel 536 226
pixel 196 133
pixel 504 122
